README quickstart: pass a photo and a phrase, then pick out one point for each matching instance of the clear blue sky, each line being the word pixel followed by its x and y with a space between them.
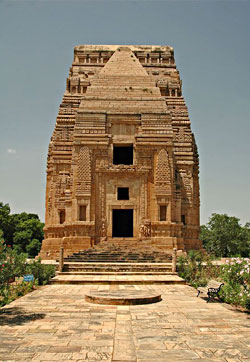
pixel 212 50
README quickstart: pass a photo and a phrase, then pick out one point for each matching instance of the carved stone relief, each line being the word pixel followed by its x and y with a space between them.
pixel 163 173
pixel 145 229
pixel 84 171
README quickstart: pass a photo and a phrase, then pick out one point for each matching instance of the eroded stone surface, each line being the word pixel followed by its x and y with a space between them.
pixel 122 297
pixel 129 97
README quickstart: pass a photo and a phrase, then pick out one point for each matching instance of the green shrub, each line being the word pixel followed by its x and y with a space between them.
pixel 196 268
pixel 42 272
pixel 14 264
pixel 33 247
pixel 236 275
pixel 247 304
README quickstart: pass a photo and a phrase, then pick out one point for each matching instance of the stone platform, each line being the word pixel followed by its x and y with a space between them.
pixel 55 323
pixel 117 279
pixel 119 297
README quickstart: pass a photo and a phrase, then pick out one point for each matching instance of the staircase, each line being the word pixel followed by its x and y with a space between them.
pixel 123 261
pixel 116 268
pixel 121 253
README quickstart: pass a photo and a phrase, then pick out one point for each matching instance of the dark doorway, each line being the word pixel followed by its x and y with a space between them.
pixel 123 155
pixel 122 223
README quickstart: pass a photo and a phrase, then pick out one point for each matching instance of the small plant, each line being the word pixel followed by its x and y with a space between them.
pixel 145 89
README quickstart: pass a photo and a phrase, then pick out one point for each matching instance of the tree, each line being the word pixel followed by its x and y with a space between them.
pixel 28 235
pixel 224 236
pixel 5 223
pixel 24 231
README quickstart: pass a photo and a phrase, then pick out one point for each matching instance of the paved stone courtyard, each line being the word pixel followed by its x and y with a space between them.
pixel 55 323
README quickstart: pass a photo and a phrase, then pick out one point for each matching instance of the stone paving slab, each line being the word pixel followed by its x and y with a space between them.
pixel 55 323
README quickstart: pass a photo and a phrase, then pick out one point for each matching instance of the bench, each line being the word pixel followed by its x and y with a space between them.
pixel 212 289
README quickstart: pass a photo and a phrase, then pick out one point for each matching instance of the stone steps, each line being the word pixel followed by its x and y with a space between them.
pixel 118 279
pixel 124 261
pixel 117 268
pixel 113 260
pixel 107 253
pixel 115 273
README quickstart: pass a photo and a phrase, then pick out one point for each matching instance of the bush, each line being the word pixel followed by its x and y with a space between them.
pixel 42 272
pixel 196 268
pixel 236 274
pixel 248 303
pixel 13 264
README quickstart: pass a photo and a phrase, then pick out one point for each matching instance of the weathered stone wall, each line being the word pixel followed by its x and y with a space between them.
pixel 122 95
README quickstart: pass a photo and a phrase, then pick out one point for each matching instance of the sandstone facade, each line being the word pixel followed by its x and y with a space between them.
pixel 122 161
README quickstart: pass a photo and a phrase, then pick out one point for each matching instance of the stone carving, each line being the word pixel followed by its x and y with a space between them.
pixel 181 136
pixel 101 163
pixel 162 174
pixel 103 229
pixel 63 183
pixel 119 97
pixel 145 229
pixel 84 171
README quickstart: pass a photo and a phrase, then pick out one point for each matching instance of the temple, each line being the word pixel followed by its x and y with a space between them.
pixel 122 160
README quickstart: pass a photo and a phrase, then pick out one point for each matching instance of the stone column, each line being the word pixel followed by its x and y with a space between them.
pixel 174 259
pixel 61 260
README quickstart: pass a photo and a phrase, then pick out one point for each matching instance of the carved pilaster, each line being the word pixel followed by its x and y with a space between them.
pixel 84 172
pixel 163 174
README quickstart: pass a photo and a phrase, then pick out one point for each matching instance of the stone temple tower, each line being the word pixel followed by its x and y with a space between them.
pixel 122 160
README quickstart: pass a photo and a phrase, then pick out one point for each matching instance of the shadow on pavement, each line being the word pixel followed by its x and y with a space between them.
pixel 17 316
pixel 232 307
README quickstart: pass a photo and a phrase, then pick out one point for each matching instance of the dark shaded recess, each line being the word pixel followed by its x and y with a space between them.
pixel 122 193
pixel 123 155
pixel 62 216
pixel 82 212
pixel 163 213
pixel 122 223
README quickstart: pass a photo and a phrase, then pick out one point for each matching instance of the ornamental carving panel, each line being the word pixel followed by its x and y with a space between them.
pixel 163 174
pixel 84 171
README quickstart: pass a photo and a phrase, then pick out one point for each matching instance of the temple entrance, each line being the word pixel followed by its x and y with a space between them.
pixel 122 223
